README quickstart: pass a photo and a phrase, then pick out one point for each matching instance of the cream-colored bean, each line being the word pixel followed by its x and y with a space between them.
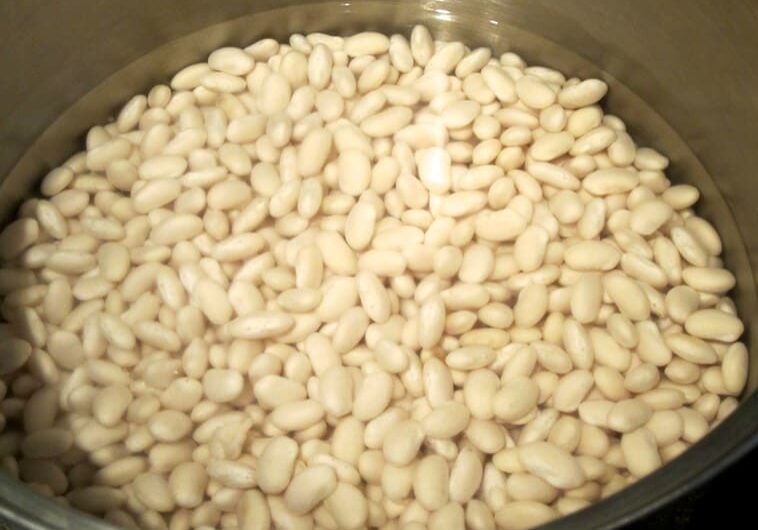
pixel 553 175
pixel 431 321
pixel 169 425
pixel 591 256
pixel 434 169
pixel 470 358
pixel 712 324
pixel 627 415
pixel 627 295
pixel 402 442
pixel 337 255
pixel 515 399
pixel 350 329
pixel 649 216
pixel 372 396
pixel 154 492
pixel 485 435
pixel 260 324
pixel 553 464
pixel 690 348
pixel 582 94
pixel 666 426
pixel 641 378
pixel 531 305
pixel 252 512
pixel 373 297
pixel 359 225
pixel 527 487
pixel 446 420
pixel 309 488
pixel 391 356
pixel 221 385
pixel 551 146
pixel 640 452
pixel 609 181
pixel 438 383
pixel 273 390
pixel 530 248
pixel 465 476
pixel 276 465
pixel 366 43
pixel 572 389
pixel 297 415
pixel 734 368
pixel 478 393
pixel 520 515
pixel 430 482
pixel 348 495
pixel 111 404
pixel 343 271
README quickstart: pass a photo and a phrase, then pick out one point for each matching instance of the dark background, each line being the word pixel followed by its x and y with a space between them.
pixel 726 502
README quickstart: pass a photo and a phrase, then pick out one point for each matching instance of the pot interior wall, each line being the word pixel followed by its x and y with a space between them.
pixel 80 61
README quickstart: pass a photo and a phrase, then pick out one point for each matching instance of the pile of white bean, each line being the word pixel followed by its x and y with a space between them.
pixel 359 282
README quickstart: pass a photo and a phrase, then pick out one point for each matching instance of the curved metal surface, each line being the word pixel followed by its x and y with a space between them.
pixel 684 82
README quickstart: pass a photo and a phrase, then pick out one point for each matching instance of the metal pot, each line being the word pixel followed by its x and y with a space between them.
pixel 681 76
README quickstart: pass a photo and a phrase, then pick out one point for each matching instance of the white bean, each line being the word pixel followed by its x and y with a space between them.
pixel 362 281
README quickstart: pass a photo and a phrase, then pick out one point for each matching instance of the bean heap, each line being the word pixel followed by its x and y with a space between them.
pixel 360 282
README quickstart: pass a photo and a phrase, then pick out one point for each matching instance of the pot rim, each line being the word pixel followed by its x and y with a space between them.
pixel 723 446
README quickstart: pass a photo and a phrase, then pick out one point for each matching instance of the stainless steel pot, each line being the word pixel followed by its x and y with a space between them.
pixel 682 76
